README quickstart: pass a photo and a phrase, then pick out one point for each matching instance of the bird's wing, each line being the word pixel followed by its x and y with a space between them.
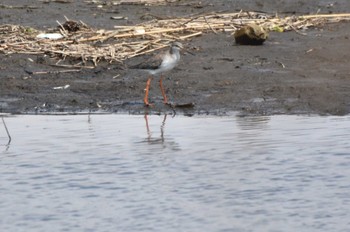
pixel 152 63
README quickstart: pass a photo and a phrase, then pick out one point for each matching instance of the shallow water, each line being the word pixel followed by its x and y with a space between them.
pixel 126 173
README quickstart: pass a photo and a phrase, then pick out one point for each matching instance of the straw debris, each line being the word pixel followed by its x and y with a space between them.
pixel 82 42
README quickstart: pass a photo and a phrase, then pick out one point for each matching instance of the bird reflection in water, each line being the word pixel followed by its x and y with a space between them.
pixel 149 133
pixel 7 131
pixel 161 140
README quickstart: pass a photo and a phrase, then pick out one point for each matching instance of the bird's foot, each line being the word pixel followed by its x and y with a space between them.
pixel 172 105
pixel 149 104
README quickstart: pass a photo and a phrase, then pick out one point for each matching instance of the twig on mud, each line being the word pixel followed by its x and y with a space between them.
pixel 72 66
pixel 296 30
pixel 18 7
pixel 325 16
pixel 308 51
pixel 191 35
pixel 7 131
pixel 51 72
pixel 57 1
pixel 209 25
pixel 62 29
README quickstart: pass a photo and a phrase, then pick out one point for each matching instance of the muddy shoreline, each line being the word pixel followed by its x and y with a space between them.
pixel 290 74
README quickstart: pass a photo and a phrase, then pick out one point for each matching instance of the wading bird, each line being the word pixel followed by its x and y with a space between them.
pixel 159 64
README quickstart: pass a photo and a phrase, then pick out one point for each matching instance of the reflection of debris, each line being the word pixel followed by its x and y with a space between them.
pixel 61 87
pixel 251 34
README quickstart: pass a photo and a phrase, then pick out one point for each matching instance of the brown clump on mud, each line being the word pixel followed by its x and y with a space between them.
pixel 72 26
pixel 251 34
pixel 292 73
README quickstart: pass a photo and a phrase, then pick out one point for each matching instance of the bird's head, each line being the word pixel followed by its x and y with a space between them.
pixel 177 45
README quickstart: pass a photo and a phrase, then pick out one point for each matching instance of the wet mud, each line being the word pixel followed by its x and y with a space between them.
pixel 291 73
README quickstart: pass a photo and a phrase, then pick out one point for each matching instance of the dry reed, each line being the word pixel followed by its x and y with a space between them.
pixel 125 42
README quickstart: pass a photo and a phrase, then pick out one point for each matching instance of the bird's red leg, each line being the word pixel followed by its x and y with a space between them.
pixel 163 91
pixel 145 99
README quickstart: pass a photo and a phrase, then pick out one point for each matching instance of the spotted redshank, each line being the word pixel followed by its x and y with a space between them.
pixel 159 64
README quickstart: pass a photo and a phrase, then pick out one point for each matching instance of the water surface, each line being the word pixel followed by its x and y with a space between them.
pixel 158 173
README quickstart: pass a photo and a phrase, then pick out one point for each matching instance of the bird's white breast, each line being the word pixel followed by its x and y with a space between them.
pixel 169 62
